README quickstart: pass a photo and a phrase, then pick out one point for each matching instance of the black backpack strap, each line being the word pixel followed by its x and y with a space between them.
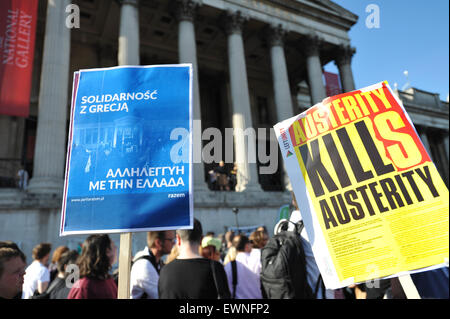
pixel 151 259
pixel 299 227
pixel 213 270
pixel 324 290
pixel 316 290
pixel 234 273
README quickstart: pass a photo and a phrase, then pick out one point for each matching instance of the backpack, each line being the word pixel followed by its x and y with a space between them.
pixel 283 266
pixel 55 284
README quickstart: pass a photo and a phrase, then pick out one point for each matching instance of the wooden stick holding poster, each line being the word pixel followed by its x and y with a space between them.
pixel 408 287
pixel 368 191
pixel 124 265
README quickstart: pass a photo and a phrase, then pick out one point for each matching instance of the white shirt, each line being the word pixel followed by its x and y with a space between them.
pixel 143 277
pixel 35 274
pixel 312 271
pixel 248 272
pixel 254 261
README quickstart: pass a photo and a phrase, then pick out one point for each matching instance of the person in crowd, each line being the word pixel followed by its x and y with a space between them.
pixel 37 275
pixel 312 271
pixel 53 267
pixel 221 237
pixel 230 256
pixel 210 248
pixel 212 180
pixel 244 281
pixel 229 235
pixel 263 229
pixel 381 289
pixel 148 263
pixel 432 284
pixel 355 291
pixel 23 177
pixel 222 179
pixel 173 254
pixel 258 239
pixel 12 270
pixel 59 288
pixel 98 255
pixel 191 276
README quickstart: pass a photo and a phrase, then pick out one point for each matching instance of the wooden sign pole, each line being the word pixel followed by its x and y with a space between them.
pixel 408 287
pixel 124 265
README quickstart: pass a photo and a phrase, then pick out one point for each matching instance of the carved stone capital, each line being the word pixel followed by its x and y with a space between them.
pixel 311 45
pixel 130 2
pixel 276 35
pixel 185 9
pixel 234 22
pixel 344 55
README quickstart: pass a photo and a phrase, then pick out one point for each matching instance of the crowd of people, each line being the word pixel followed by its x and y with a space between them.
pixel 43 279
pixel 221 178
pixel 181 264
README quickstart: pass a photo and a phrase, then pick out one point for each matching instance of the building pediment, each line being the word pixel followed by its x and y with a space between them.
pixel 333 7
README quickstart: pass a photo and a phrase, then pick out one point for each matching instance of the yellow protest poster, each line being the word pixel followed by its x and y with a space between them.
pixel 373 202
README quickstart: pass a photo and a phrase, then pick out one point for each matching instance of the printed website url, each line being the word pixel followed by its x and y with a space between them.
pixel 87 199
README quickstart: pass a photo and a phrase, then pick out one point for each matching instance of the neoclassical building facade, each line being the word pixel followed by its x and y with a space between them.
pixel 248 56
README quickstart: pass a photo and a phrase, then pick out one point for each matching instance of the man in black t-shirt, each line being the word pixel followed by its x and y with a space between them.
pixel 191 276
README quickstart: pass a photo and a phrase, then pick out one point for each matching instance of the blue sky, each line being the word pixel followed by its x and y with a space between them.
pixel 413 35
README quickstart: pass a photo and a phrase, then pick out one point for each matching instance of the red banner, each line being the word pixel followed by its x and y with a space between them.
pixel 17 37
pixel 332 85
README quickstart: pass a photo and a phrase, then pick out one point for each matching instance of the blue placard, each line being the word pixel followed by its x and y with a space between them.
pixel 126 170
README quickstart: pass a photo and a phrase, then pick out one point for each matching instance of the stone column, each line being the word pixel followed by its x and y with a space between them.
pixel 441 137
pixel 425 142
pixel 343 62
pixel 444 145
pixel 129 33
pixel 50 153
pixel 314 69
pixel 187 53
pixel 247 178
pixel 282 91
pixel 445 142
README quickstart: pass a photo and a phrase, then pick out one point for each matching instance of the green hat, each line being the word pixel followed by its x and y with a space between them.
pixel 211 241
